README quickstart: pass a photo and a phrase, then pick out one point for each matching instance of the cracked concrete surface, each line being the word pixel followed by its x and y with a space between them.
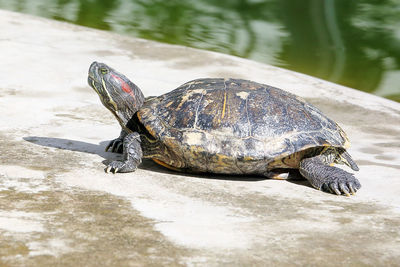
pixel 58 207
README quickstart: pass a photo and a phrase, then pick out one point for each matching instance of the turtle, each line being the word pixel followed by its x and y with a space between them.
pixel 225 126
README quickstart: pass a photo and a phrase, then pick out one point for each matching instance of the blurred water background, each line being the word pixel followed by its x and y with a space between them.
pixel 353 43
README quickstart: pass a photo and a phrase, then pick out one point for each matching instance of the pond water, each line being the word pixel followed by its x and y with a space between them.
pixel 354 43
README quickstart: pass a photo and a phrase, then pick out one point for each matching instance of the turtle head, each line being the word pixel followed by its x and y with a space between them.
pixel 117 93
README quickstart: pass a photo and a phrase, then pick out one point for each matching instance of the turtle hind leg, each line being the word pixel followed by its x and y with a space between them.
pixel 328 178
pixel 132 154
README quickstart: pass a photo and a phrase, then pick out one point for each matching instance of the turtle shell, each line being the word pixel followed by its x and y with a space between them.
pixel 236 126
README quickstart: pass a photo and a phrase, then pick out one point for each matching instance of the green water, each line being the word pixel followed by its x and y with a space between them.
pixel 354 43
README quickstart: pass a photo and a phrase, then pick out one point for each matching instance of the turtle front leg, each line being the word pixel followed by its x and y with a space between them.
pixel 328 178
pixel 132 154
pixel 116 145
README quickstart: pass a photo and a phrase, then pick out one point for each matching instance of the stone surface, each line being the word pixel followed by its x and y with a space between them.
pixel 58 206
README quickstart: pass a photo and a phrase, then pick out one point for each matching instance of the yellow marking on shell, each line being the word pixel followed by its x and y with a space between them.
pixel 224 106
pixel 165 165
pixel 332 164
pixel 169 104
pixel 183 100
pixel 220 161
pixel 243 95
pixel 247 158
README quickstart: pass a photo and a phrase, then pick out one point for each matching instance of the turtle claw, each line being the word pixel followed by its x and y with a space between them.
pixel 341 187
pixel 344 189
pixel 108 169
pixel 110 144
pixel 107 147
pixel 346 192
pixel 121 166
pixel 115 145
pixel 119 147
pixel 334 188
pixel 115 166
pixel 353 192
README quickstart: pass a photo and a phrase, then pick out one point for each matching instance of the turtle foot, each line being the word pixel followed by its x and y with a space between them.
pixel 328 178
pixel 341 182
pixel 120 166
pixel 132 153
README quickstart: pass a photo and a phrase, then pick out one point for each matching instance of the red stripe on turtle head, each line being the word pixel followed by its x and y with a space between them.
pixel 125 86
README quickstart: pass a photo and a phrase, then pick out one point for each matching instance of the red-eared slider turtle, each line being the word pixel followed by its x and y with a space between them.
pixel 227 126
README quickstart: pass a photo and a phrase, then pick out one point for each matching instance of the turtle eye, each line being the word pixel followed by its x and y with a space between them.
pixel 104 71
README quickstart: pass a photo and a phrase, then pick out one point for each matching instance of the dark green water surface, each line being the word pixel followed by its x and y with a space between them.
pixel 351 42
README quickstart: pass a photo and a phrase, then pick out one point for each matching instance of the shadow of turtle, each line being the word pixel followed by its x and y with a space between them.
pixel 147 164
pixel 71 145
pixel 85 147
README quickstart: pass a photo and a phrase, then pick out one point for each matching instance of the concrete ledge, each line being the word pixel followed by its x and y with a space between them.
pixel 57 206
